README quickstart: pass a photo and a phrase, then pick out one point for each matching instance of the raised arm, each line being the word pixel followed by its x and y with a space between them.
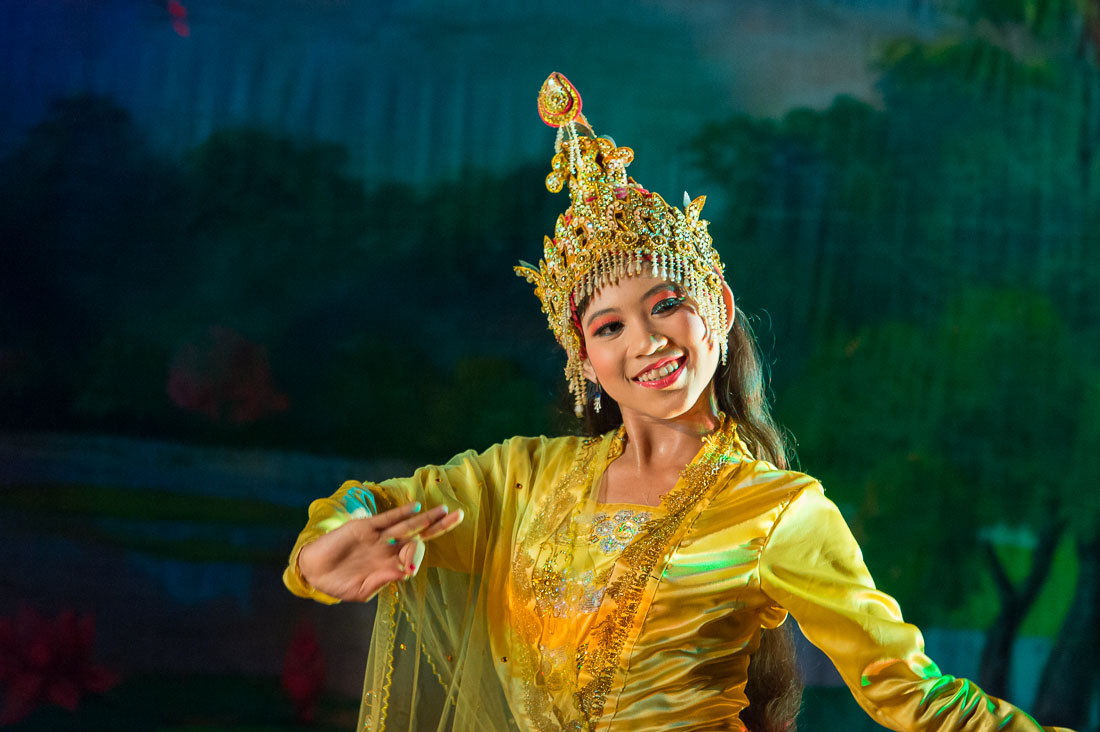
pixel 812 566
pixel 373 528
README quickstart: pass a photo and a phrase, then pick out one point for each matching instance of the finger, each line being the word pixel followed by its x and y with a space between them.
pixel 442 526
pixel 411 556
pixel 418 557
pixel 386 519
pixel 415 524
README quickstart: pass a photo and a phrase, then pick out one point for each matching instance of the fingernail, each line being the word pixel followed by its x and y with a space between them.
pixel 416 507
pixel 392 540
pixel 445 510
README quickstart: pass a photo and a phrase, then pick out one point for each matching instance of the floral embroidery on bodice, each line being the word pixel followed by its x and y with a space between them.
pixel 603 536
pixel 614 531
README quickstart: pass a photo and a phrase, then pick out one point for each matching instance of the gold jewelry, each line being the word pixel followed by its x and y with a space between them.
pixel 613 229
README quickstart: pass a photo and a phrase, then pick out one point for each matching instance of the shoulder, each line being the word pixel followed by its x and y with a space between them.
pixel 540 452
pixel 544 445
pixel 759 480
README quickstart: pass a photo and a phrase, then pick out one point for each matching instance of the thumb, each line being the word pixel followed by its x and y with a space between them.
pixel 373 583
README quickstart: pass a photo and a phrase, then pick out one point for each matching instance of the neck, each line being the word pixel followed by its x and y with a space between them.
pixel 654 442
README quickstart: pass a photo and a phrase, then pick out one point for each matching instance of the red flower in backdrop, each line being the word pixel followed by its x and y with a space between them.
pixel 304 671
pixel 178 13
pixel 44 661
pixel 226 377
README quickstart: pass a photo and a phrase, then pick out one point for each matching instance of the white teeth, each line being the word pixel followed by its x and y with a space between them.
pixel 655 374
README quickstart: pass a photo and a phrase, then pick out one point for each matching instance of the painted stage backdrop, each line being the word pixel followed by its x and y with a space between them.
pixel 251 249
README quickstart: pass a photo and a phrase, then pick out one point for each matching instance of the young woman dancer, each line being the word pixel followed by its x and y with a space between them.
pixel 632 579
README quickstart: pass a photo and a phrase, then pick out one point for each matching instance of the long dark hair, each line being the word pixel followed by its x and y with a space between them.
pixel 774 687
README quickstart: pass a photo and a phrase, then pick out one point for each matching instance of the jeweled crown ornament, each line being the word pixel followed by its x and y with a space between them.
pixel 612 229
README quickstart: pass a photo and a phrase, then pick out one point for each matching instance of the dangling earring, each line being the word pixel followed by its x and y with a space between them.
pixel 596 399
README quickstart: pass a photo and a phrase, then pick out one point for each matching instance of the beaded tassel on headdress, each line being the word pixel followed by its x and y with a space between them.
pixel 613 229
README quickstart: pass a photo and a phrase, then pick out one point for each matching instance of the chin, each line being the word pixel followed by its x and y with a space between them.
pixel 667 409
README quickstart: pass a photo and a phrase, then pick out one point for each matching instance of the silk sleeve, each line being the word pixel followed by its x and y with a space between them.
pixel 812 566
pixel 477 483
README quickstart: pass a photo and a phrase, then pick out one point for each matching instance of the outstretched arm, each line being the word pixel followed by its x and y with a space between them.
pixel 357 559
pixel 812 566
pixel 461 504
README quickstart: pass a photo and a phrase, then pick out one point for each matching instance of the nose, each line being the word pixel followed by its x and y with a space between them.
pixel 652 342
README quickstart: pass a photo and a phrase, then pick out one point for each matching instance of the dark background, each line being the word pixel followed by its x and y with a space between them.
pixel 250 249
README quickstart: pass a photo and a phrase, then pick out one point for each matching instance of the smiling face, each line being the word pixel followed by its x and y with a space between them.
pixel 648 348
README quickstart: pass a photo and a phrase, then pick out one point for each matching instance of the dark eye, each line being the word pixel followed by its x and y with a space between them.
pixel 609 328
pixel 667 305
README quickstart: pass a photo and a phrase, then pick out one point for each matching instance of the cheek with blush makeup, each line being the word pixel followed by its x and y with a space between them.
pixel 647 347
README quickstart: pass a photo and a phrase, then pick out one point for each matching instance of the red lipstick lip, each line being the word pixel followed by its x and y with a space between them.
pixel 665 380
pixel 657 365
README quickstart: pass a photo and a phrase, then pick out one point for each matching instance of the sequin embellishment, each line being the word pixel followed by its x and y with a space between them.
pixel 614 532
pixel 568 593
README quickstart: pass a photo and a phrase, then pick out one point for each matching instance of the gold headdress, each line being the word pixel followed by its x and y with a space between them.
pixel 613 229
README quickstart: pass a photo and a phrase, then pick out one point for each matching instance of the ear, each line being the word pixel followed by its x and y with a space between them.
pixel 727 298
pixel 589 372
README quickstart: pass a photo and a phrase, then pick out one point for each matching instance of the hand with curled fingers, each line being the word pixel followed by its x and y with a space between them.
pixel 356 560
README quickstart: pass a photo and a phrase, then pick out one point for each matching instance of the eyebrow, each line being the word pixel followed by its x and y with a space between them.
pixel 650 293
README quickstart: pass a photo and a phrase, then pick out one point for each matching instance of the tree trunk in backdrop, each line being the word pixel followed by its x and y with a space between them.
pixel 996 660
pixel 1069 677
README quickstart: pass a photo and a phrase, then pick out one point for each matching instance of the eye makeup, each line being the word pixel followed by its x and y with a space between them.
pixel 598 325
pixel 666 292
pixel 652 300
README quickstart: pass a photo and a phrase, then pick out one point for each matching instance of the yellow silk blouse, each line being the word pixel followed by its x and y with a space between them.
pixel 627 617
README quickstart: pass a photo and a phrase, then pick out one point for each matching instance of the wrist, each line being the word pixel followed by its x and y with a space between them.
pixel 305 566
